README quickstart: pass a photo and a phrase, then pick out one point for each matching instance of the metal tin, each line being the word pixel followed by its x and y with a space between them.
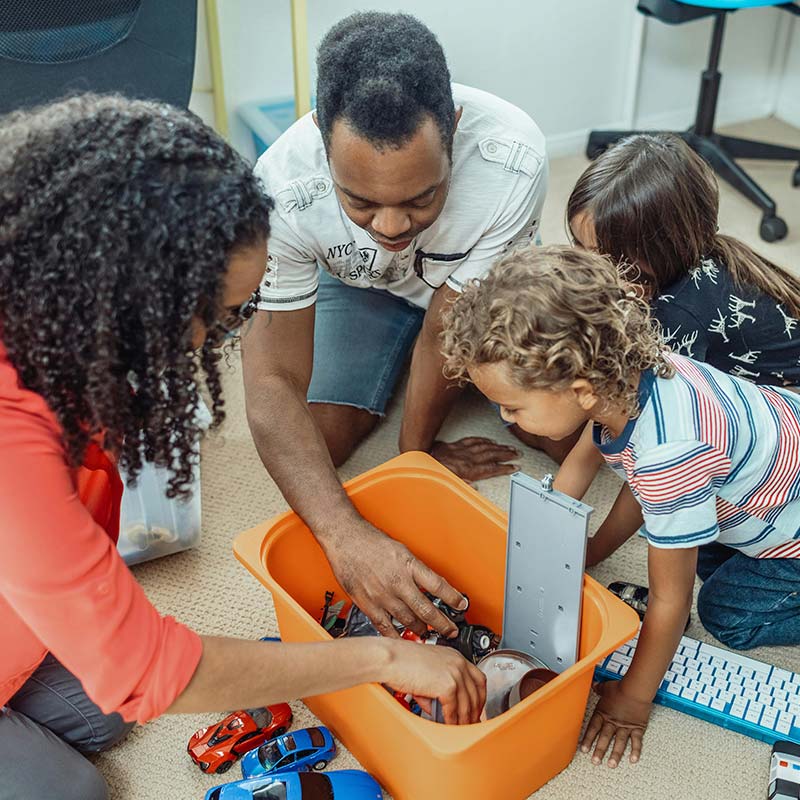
pixel 504 669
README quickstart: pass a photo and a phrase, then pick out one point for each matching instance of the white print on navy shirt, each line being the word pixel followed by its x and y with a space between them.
pixel 718 325
pixel 789 323
pixel 708 268
pixel 749 357
pixel 738 316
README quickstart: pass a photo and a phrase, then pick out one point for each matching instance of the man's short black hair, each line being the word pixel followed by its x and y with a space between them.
pixel 383 73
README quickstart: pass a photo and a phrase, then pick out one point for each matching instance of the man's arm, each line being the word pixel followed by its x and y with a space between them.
pixel 381 575
pixel 277 358
pixel 430 397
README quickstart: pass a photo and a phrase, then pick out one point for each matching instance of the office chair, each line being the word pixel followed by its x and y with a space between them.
pixel 141 48
pixel 720 151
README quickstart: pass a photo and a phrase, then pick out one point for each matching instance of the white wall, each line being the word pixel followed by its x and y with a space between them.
pixel 675 55
pixel 571 64
pixel 788 104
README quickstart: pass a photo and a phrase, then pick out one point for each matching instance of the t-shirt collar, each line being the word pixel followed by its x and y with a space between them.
pixel 616 446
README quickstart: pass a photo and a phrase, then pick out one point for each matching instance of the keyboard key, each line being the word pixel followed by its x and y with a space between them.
pixel 738 707
pixel 673 688
pixel 754 713
pixel 704 699
pixel 718 704
pixel 769 718
pixel 785 723
pixel 688 694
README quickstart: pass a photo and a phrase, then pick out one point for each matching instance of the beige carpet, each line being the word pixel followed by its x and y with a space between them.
pixel 206 588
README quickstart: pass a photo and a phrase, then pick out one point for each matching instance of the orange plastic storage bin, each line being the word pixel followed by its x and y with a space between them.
pixel 463 537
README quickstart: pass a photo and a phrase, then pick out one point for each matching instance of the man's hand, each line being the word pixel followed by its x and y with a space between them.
pixel 475 458
pixel 439 673
pixel 617 716
pixel 385 580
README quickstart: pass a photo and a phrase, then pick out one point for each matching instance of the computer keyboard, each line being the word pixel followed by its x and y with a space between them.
pixel 723 687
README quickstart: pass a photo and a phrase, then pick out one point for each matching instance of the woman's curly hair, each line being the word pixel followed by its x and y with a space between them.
pixel 117 221
pixel 556 315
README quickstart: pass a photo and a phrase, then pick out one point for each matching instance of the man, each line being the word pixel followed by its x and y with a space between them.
pixel 392 194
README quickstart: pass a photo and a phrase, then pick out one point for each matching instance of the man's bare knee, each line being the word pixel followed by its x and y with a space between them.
pixel 343 427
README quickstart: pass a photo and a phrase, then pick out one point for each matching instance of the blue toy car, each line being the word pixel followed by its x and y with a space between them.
pixel 346 784
pixel 299 751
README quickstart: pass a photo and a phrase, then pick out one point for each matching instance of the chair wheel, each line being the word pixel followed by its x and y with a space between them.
pixel 773 229
pixel 796 177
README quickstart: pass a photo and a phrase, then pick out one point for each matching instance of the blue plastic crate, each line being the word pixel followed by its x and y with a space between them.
pixel 268 119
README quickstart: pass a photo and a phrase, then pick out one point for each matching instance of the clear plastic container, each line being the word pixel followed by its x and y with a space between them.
pixel 151 525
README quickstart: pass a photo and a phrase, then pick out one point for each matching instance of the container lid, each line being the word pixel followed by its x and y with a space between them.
pixel 545 556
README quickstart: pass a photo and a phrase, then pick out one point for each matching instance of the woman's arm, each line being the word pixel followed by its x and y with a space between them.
pixel 62 576
pixel 235 673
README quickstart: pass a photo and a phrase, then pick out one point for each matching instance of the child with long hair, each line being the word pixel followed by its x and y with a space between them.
pixel 558 339
pixel 651 204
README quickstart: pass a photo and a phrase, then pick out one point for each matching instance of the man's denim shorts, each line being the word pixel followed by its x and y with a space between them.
pixel 362 341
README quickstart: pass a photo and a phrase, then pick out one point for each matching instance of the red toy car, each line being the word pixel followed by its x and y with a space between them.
pixel 216 748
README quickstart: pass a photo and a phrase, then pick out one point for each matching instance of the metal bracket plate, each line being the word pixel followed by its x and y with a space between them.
pixel 545 556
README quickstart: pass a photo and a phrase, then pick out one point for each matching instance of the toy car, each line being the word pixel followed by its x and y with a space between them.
pixel 216 748
pixel 784 773
pixel 302 750
pixel 346 784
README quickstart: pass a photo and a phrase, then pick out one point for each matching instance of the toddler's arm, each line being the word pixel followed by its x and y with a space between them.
pixel 624 708
pixel 624 519
pixel 579 467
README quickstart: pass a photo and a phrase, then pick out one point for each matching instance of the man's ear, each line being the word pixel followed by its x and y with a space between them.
pixel 314 117
pixel 584 394
pixel 459 112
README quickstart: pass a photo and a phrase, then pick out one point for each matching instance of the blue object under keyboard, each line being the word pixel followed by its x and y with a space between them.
pixel 723 687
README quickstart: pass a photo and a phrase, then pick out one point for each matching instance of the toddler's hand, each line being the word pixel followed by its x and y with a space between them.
pixel 618 717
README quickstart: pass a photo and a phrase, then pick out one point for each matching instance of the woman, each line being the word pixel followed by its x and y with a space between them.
pixel 132 240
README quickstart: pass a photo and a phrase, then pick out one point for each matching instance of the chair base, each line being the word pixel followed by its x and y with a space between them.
pixel 720 152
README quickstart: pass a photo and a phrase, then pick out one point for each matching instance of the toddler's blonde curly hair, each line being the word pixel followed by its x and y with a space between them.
pixel 555 315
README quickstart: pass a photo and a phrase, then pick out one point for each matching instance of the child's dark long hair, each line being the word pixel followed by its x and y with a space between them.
pixel 654 201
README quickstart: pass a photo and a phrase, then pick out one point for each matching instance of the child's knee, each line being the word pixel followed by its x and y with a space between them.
pixel 724 623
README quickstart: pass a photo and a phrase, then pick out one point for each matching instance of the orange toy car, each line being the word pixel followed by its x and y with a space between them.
pixel 217 747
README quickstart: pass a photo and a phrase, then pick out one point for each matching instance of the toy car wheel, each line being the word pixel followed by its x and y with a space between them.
pixel 224 766
pixel 279 732
pixel 320 765
pixel 204 765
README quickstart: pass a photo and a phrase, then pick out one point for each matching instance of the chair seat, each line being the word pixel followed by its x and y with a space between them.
pixel 732 5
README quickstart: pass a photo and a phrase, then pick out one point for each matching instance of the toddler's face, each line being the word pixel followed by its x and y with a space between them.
pixel 544 412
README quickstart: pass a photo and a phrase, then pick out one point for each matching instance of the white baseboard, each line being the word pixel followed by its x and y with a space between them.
pixel 574 142
pixel 789 114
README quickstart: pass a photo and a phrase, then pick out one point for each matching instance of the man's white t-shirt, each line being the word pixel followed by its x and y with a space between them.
pixel 497 189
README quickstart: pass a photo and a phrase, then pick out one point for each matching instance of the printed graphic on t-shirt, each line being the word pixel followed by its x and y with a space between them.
pixel 738 329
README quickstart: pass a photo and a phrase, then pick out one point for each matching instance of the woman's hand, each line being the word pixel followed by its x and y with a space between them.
pixel 429 671
pixel 618 717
